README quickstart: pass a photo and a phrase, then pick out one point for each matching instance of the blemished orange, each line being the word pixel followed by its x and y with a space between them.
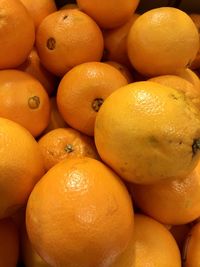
pixel 180 197
pixel 93 211
pixel 39 9
pixel 30 257
pixel 21 166
pixel 191 251
pixel 69 6
pixel 65 143
pixel 82 91
pixel 109 14
pixel 24 100
pixel 190 76
pixel 33 66
pixel 138 135
pixel 17 34
pixel 151 53
pixel 68 38
pixel 196 62
pixel 151 245
pixel 115 42
pixel 123 69
pixel 56 120
pixel 180 233
pixel 180 84
pixel 9 243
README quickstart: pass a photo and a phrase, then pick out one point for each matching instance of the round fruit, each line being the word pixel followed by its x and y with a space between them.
pixel 190 76
pixel 196 62
pixel 152 245
pixel 180 197
pixel 24 100
pixel 109 14
pixel 9 244
pixel 82 91
pixel 123 69
pixel 60 144
pixel 139 136
pixel 17 33
pixel 21 166
pixel 162 41
pixel 93 211
pixel 68 38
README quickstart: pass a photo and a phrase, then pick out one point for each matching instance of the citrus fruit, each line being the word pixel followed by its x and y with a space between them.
pixel 138 135
pixel 161 41
pixel 190 76
pixel 123 69
pixel 92 210
pixel 196 62
pixel 82 91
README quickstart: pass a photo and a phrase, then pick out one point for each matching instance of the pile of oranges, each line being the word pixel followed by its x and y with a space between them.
pixel 99 135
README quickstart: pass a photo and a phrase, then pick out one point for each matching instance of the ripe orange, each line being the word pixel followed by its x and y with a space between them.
pixel 157 46
pixel 109 14
pixel 191 252
pixel 21 166
pixel 61 143
pixel 138 135
pixel 33 66
pixel 152 245
pixel 180 197
pixel 24 100
pixel 123 69
pixel 196 62
pixel 17 34
pixel 82 91
pixel 93 211
pixel 67 38
pixel 115 42
pixel 9 244
pixel 56 120
pixel 190 76
pixel 39 9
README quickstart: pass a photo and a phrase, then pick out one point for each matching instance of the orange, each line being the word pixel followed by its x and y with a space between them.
pixel 24 100
pixel 190 76
pixel 9 244
pixel 123 69
pixel 196 62
pixel 67 38
pixel 33 66
pixel 56 120
pixel 152 245
pixel 180 233
pixel 39 9
pixel 115 41
pixel 191 252
pixel 93 215
pixel 82 91
pixel 180 84
pixel 109 14
pixel 157 46
pixel 61 143
pixel 179 197
pixel 21 166
pixel 69 6
pixel 17 34
pixel 29 255
pixel 138 135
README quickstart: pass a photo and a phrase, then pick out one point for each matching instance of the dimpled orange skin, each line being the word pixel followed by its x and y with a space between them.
pixel 180 84
pixel 196 19
pixel 21 166
pixel 137 134
pixel 115 42
pixel 93 211
pixel 39 9
pixel 33 66
pixel 61 143
pixel 9 244
pixel 123 69
pixel 157 46
pixel 152 245
pixel 17 34
pixel 68 38
pixel 191 252
pixel 180 197
pixel 80 89
pixel 109 14
pixel 24 100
